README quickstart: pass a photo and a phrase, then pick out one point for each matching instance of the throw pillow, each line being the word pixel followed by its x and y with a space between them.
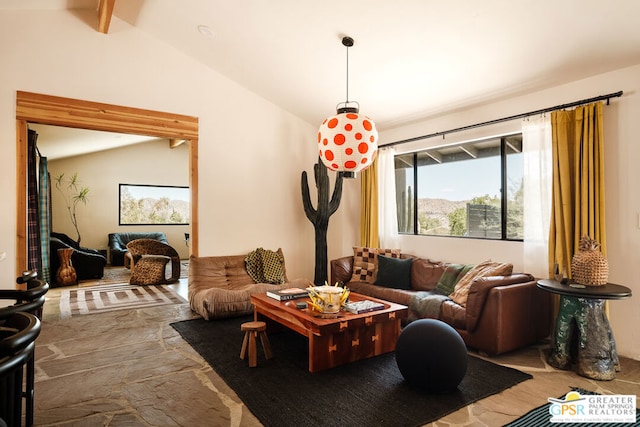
pixel 447 281
pixel 486 268
pixel 467 268
pixel 365 262
pixel 253 265
pixel 272 266
pixel 394 272
pixel 425 273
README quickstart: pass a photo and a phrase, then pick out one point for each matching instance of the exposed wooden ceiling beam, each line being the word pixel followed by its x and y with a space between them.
pixel 105 11
pixel 174 143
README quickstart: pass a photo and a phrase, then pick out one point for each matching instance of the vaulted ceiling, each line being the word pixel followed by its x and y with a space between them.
pixel 412 58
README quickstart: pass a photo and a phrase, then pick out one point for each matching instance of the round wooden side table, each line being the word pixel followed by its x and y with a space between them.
pixel 582 312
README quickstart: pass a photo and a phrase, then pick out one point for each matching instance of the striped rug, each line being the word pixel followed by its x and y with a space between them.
pixel 100 299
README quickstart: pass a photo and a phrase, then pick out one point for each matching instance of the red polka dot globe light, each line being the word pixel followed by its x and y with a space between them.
pixel 348 141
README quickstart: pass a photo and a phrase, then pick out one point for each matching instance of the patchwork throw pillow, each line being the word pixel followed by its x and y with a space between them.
pixel 394 272
pixel 365 262
pixel 486 268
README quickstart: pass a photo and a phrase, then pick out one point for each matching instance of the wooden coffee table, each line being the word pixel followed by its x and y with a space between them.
pixel 336 339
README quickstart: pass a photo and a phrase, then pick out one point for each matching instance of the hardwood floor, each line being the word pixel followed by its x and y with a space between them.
pixel 131 368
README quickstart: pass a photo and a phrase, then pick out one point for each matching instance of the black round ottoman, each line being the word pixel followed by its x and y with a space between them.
pixel 431 355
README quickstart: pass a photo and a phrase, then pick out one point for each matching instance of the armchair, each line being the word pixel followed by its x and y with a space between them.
pixel 118 243
pixel 149 259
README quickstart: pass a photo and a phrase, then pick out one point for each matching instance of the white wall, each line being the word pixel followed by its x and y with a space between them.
pixel 622 176
pixel 251 153
pixel 152 163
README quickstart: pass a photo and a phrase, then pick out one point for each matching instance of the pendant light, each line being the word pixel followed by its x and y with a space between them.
pixel 348 141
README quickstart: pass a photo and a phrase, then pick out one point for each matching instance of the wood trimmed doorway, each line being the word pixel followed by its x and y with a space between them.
pixel 74 113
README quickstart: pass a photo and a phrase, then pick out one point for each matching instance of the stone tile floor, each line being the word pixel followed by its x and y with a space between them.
pixel 130 368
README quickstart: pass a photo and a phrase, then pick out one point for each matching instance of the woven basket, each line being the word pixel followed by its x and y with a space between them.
pixel 588 266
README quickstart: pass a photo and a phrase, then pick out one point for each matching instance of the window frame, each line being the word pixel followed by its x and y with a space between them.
pixel 503 190
pixel 150 186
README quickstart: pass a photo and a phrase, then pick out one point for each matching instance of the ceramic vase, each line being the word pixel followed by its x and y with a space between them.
pixel 66 274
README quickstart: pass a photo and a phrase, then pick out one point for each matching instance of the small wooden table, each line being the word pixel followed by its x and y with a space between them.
pixel 336 339
pixel 582 308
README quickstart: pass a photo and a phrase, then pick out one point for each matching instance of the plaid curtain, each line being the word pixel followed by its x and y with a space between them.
pixel 33 229
pixel 45 218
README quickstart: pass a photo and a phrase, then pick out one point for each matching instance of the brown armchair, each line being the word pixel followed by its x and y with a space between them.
pixel 149 259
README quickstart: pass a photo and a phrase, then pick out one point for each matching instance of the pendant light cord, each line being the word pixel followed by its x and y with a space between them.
pixel 347 74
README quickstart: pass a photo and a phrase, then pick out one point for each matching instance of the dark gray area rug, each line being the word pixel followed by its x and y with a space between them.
pixel 282 392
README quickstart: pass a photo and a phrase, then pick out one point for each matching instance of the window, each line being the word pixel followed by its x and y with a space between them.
pixel 154 204
pixel 471 190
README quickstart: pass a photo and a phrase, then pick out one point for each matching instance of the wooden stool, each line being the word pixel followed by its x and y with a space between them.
pixel 251 330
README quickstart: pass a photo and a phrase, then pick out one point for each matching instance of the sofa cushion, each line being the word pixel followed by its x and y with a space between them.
pixel 453 314
pixel 217 303
pixel 399 296
pixel 219 286
pixel 486 268
pixel 394 272
pixel 365 262
pixel 427 304
pixel 425 273
pixel 448 280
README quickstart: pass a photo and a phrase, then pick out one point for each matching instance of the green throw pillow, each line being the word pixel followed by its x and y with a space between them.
pixel 464 271
pixel 394 272
pixel 448 279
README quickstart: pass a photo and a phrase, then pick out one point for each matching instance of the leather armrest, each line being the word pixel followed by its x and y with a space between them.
pixel 341 269
pixel 479 292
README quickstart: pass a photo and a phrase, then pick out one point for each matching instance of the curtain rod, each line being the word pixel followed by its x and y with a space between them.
pixel 506 119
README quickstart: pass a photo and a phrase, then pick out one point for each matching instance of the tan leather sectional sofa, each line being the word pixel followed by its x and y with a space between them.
pixel 501 313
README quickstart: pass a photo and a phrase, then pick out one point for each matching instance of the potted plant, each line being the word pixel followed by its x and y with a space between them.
pixel 73 194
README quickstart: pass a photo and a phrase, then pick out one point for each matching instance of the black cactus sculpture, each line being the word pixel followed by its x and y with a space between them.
pixel 319 217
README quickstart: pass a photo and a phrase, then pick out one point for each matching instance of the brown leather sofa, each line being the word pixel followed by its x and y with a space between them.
pixel 502 313
pixel 220 286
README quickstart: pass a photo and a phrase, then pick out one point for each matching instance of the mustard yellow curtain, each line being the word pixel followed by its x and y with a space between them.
pixel 369 206
pixel 578 182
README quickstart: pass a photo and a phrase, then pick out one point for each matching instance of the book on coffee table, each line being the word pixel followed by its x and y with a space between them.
pixel 288 294
pixel 365 306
